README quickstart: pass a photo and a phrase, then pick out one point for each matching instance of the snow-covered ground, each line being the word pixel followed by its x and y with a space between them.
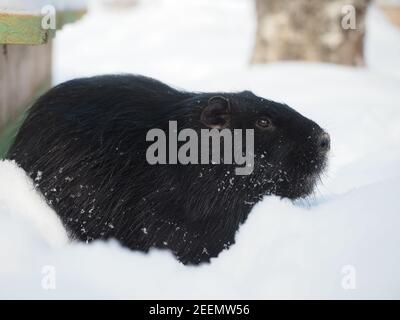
pixel 342 243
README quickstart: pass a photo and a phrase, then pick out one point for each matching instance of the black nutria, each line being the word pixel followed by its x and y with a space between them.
pixel 84 145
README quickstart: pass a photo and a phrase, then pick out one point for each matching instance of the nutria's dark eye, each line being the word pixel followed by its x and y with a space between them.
pixel 264 123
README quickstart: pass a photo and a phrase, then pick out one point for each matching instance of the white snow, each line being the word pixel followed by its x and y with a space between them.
pixel 309 249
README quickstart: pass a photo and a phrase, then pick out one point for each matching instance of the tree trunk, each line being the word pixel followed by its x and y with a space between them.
pixel 311 30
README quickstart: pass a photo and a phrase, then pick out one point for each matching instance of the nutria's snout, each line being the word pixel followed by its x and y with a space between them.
pixel 324 142
pixel 318 164
pixel 304 149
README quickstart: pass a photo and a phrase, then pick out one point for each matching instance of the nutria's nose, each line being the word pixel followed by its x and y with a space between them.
pixel 324 142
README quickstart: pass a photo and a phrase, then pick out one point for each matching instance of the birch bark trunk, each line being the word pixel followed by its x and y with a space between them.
pixel 311 30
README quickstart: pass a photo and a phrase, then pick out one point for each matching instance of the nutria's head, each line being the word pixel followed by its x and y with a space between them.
pixel 290 151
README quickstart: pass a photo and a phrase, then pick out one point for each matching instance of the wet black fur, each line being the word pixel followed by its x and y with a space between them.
pixel 83 143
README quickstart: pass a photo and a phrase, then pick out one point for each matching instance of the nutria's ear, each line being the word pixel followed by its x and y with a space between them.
pixel 217 113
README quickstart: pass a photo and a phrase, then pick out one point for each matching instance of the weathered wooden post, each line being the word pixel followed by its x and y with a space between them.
pixel 26 30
